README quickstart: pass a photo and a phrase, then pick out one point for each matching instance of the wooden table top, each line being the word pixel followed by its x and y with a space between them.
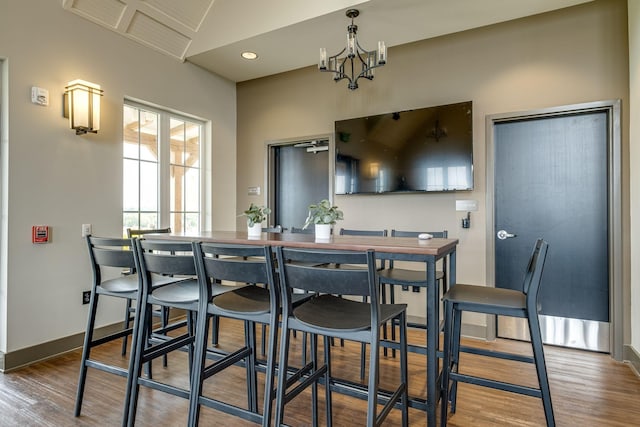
pixel 395 245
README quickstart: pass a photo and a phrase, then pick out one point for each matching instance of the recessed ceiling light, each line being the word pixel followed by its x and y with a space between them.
pixel 249 55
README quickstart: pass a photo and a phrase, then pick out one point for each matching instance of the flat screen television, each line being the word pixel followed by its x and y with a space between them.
pixel 422 150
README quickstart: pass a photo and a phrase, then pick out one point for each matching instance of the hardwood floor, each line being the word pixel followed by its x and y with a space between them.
pixel 588 389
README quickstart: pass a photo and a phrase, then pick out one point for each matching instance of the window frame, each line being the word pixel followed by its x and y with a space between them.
pixel 165 115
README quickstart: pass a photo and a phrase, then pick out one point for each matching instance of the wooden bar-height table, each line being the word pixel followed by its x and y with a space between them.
pixel 397 248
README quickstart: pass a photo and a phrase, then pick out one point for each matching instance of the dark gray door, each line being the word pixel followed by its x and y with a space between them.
pixel 300 177
pixel 551 181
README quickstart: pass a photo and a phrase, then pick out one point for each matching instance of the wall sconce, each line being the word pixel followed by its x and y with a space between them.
pixel 374 170
pixel 468 206
pixel 82 106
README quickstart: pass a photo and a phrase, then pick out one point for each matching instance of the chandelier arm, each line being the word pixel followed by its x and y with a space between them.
pixel 334 59
pixel 338 75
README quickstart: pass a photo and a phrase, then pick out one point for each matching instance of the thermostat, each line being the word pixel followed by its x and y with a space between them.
pixel 39 96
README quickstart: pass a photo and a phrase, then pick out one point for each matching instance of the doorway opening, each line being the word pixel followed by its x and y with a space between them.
pixel 299 172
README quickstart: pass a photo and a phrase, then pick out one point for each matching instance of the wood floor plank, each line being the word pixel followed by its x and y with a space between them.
pixel 588 390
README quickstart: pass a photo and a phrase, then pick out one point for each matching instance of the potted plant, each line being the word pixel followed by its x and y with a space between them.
pixel 255 215
pixel 323 215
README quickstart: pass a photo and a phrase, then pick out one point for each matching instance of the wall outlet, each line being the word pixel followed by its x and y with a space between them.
pixel 86 230
pixel 86 297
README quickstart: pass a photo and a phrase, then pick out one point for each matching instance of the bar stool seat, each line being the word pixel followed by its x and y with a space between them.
pixel 129 283
pixel 251 299
pixel 495 299
pixel 182 292
pixel 331 313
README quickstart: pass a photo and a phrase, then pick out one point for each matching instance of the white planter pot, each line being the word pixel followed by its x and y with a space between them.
pixel 323 232
pixel 255 230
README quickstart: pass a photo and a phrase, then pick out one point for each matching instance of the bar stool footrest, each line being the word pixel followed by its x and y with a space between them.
pixel 498 385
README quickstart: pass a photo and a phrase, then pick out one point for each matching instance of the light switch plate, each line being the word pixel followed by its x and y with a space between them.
pixel 467 205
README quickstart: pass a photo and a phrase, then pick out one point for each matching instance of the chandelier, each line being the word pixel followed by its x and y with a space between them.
pixel 357 61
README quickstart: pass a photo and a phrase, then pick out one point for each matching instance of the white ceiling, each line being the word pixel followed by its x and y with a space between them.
pixel 287 34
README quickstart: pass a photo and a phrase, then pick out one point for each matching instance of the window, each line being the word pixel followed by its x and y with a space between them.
pixel 161 170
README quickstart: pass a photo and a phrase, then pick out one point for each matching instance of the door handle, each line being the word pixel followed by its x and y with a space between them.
pixel 504 234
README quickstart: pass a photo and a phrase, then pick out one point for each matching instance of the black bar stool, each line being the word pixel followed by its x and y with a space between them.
pixel 255 303
pixel 503 302
pixel 328 315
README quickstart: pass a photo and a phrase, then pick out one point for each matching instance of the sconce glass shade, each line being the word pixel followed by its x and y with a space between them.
pixel 83 106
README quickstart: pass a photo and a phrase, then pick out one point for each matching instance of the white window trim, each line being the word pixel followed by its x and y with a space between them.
pixel 206 161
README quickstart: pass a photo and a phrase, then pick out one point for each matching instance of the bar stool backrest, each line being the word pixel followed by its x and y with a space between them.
pixel 165 257
pixel 436 234
pixel 309 230
pixel 351 232
pixel 133 232
pixel 533 275
pixel 314 271
pixel 236 263
pixel 109 252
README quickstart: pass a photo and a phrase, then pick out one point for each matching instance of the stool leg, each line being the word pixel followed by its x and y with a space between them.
pixel 126 324
pixel 383 300
pixel 446 364
pixel 199 363
pixel 252 380
pixel 263 349
pixel 404 370
pixel 142 328
pixel 86 352
pixel 304 348
pixel 215 328
pixel 314 385
pixel 282 372
pixel 455 352
pixel 392 295
pixel 269 374
pixel 191 320
pixel 327 382
pixel 374 364
pixel 363 355
pixel 541 369
pixel 164 315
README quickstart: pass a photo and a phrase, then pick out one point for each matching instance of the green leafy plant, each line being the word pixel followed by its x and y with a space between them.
pixel 255 214
pixel 323 213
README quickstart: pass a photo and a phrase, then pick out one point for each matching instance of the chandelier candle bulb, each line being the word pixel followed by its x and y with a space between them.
pixel 351 44
pixel 323 59
pixel 382 53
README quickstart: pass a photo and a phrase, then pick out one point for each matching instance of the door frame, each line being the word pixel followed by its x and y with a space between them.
pixel 612 108
pixel 269 159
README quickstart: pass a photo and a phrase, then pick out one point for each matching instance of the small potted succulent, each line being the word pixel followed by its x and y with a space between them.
pixel 323 215
pixel 255 215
